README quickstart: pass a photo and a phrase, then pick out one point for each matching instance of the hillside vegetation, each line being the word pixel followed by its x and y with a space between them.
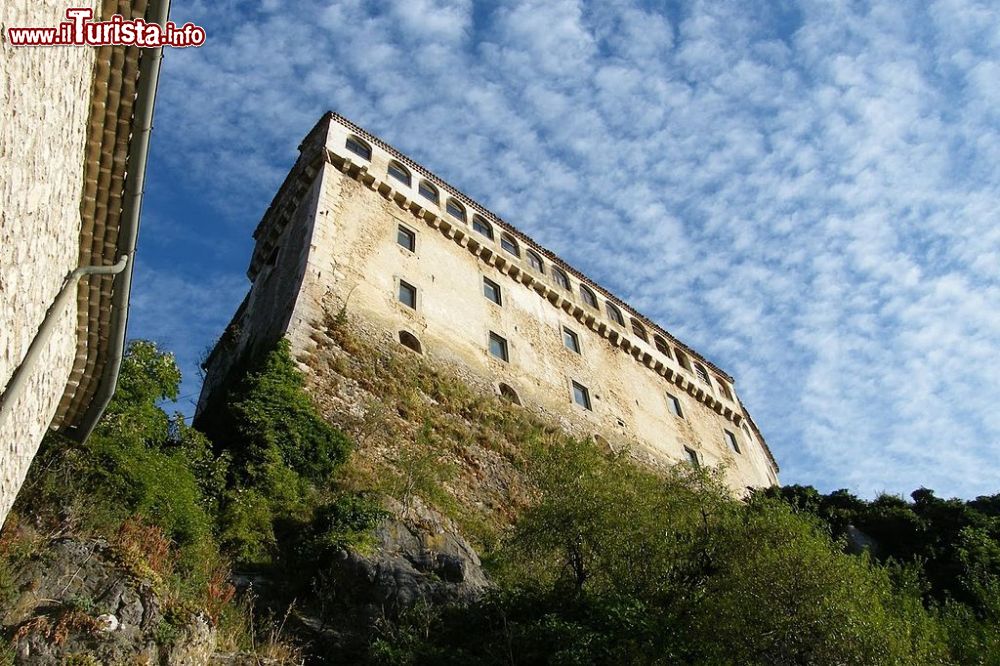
pixel 588 557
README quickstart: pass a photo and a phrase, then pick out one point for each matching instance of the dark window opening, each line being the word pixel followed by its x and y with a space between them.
pixel 410 341
pixel 571 340
pixel 535 261
pixel 359 147
pixel 662 346
pixel 408 294
pixel 509 394
pixel 581 395
pixel 731 441
pixel 428 191
pixel 639 330
pixel 272 258
pixel 561 278
pixel 692 457
pixel 675 405
pixel 456 209
pixel 399 172
pixel 491 290
pixel 498 347
pixel 509 245
pixel 479 225
pixel 406 238
pixel 589 297
pixel 615 314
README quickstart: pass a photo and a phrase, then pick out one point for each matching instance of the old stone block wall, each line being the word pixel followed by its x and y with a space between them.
pixel 354 263
pixel 45 98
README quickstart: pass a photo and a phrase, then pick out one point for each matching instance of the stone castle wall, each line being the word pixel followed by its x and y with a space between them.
pixel 344 211
pixel 45 101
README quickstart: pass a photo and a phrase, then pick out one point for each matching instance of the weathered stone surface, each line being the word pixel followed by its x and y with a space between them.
pixel 419 557
pixel 45 97
pixel 76 600
pixel 328 244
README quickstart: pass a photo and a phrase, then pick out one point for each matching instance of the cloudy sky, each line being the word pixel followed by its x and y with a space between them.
pixel 807 192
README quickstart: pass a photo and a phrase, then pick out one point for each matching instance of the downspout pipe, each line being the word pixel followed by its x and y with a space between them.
pixel 142 127
pixel 19 380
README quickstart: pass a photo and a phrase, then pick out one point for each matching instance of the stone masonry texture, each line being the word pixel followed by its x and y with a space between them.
pixel 328 245
pixel 45 98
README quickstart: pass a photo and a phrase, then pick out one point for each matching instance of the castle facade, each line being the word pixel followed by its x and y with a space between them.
pixel 357 227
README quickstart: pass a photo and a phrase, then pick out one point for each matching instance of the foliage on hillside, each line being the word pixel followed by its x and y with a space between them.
pixel 593 558
pixel 951 546
pixel 179 509
pixel 614 565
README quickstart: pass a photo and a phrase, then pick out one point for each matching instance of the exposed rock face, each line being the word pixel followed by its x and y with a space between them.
pixel 419 557
pixel 78 602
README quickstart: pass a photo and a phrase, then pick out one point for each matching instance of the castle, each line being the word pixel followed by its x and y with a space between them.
pixel 358 227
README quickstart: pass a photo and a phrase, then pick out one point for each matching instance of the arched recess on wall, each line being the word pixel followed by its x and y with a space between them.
pixel 399 172
pixel 639 330
pixel 614 313
pixel 662 346
pixel 509 394
pixel 410 341
pixel 602 443
pixel 359 147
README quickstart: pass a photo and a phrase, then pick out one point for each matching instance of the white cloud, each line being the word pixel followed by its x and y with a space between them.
pixel 805 192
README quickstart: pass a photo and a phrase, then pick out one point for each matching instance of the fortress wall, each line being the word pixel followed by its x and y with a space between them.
pixel 45 97
pixel 355 259
pixel 277 303
pixel 337 246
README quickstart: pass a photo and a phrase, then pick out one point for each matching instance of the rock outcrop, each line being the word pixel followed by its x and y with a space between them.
pixel 78 604
pixel 419 557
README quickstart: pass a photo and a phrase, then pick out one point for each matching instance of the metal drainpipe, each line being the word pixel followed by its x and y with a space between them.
pixel 19 380
pixel 142 126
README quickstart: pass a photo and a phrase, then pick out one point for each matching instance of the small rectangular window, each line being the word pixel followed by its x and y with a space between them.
pixel 408 294
pixel 692 457
pixel 406 238
pixel 675 405
pixel 731 441
pixel 491 290
pixel 581 395
pixel 498 347
pixel 571 340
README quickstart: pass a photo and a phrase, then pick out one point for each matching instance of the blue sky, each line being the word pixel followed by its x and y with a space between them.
pixel 806 192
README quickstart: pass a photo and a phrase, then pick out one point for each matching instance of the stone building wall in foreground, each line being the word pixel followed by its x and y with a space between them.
pixel 45 104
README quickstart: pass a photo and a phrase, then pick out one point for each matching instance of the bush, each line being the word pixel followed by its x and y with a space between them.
pixel 615 564
pixel 273 421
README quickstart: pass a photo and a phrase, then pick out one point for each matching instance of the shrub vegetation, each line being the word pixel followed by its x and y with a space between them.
pixel 593 559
